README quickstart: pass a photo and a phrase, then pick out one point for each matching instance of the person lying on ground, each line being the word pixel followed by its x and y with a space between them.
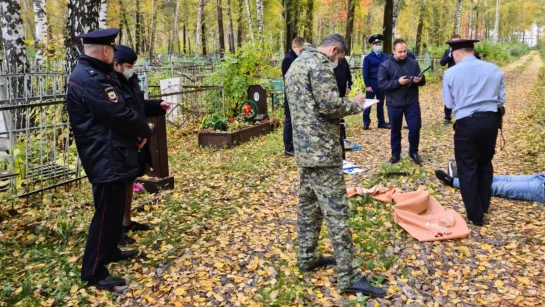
pixel 521 187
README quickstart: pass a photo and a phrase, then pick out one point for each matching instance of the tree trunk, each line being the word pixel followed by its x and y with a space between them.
pixel 459 16
pixel 470 22
pixel 102 15
pixel 387 25
pixel 368 27
pixel 221 36
pixel 82 18
pixel 13 36
pixel 420 28
pixel 204 49
pixel 240 23
pixel 40 21
pixel 231 32
pixel 310 21
pixel 397 8
pixel 137 35
pixel 198 27
pixel 250 27
pixel 174 32
pixel 185 38
pixel 350 24
pixel 153 28
pixel 289 24
pixel 125 24
pixel 496 23
pixel 259 14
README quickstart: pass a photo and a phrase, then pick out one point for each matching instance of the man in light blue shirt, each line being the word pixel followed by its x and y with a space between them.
pixel 474 90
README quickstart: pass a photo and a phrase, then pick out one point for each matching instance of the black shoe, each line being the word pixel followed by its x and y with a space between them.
pixel 109 283
pixel 394 159
pixel 406 127
pixel 444 177
pixel 135 226
pixel 289 153
pixel 480 223
pixel 384 126
pixel 363 286
pixel 125 240
pixel 322 262
pixel 126 255
pixel 447 121
pixel 416 158
pixel 365 127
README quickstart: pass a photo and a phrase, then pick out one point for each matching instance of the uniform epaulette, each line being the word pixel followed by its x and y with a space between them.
pixel 91 70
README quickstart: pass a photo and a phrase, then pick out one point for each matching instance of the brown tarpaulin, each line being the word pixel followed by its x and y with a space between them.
pixel 413 210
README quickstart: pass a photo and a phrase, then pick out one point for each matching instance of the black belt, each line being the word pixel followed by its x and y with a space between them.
pixel 484 114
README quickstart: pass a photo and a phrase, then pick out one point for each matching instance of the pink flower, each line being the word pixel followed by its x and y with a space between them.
pixel 137 187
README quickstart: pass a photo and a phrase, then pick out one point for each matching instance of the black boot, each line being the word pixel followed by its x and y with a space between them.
pixel 394 159
pixel 126 255
pixel 363 286
pixel 109 283
pixel 322 262
pixel 416 158
pixel 444 177
pixel 125 240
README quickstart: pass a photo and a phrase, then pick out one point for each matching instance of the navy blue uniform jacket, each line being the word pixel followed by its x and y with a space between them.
pixel 450 60
pixel 371 64
pixel 388 80
pixel 105 129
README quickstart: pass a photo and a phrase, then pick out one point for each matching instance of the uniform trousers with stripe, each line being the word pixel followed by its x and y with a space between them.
pixel 105 230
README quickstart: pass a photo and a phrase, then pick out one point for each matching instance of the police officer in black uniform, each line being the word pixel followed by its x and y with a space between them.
pixel 124 59
pixel 107 134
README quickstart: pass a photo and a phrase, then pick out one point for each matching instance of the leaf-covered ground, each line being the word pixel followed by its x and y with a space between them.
pixel 226 235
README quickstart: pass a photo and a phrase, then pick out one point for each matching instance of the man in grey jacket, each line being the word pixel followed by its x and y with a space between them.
pixel 400 78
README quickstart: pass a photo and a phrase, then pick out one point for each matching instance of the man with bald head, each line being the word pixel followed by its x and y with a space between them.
pixel 107 134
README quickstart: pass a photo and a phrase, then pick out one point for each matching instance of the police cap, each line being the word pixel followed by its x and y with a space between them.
pixel 125 54
pixel 462 43
pixel 100 37
pixel 376 38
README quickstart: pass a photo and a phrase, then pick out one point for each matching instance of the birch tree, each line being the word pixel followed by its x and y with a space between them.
pixel 102 15
pixel 250 26
pixel 231 31
pixel 13 39
pixel 458 16
pixel 82 18
pixel 259 14
pixel 496 23
pixel 174 33
pixel 153 27
pixel 198 28
pixel 40 21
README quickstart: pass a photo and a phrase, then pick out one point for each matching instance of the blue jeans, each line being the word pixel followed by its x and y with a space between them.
pixel 526 187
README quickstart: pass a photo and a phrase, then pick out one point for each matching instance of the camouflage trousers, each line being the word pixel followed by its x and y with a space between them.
pixel 323 196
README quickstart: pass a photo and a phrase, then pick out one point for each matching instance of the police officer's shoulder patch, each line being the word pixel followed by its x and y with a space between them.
pixel 112 95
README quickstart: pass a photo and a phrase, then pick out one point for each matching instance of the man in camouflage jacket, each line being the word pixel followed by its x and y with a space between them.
pixel 316 110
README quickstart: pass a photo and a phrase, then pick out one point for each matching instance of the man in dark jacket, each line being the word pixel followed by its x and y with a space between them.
pixel 124 59
pixel 295 51
pixel 400 78
pixel 107 134
pixel 448 59
pixel 344 83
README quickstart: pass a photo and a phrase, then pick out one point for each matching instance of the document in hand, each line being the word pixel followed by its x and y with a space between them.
pixel 369 102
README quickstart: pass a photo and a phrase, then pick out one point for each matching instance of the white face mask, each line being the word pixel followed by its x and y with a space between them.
pixel 128 73
pixel 377 48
